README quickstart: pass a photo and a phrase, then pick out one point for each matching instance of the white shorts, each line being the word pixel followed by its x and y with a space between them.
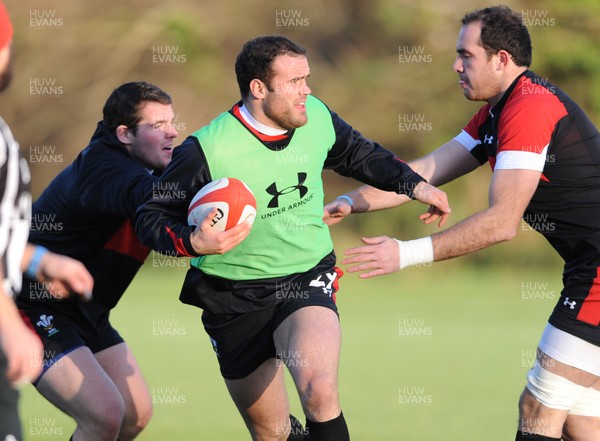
pixel 570 350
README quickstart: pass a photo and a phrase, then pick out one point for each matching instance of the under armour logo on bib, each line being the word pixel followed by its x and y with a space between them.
pixel 272 190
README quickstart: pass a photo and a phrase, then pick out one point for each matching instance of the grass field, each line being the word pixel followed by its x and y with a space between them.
pixel 428 354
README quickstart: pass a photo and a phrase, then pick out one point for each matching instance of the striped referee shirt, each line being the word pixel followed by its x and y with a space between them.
pixel 15 209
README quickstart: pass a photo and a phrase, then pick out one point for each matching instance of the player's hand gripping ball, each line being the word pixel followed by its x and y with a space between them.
pixel 233 199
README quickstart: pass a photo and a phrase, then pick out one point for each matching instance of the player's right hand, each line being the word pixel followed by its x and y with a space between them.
pixel 207 240
pixel 437 201
pixel 336 211
pixel 63 275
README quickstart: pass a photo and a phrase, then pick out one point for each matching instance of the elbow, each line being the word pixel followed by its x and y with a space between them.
pixel 507 232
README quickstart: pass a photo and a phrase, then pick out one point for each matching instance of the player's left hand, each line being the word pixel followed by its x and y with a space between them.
pixel 438 203
pixel 380 256
pixel 62 275
pixel 336 211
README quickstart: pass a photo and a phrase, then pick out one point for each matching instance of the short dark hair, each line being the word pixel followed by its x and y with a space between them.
pixel 502 29
pixel 124 102
pixel 256 57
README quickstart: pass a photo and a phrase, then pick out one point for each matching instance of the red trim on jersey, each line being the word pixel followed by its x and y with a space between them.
pixel 527 120
pixel 265 138
pixel 178 242
pixel 529 117
pixel 472 128
pixel 125 242
pixel 590 309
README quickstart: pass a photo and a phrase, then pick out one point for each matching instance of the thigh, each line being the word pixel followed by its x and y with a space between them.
pixel 569 356
pixel 308 343
pixel 261 399
pixel 561 397
pixel 122 368
pixel 583 421
pixel 581 428
pixel 307 332
pixel 78 385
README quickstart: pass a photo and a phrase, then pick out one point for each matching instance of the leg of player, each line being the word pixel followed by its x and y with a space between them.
pixel 80 387
pixel 262 401
pixel 582 428
pixel 554 392
pixel 538 422
pixel 121 366
pixel 10 425
pixel 308 342
pixel 583 421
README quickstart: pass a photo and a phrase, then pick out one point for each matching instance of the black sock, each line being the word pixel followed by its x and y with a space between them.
pixel 524 436
pixel 332 430
pixel 297 432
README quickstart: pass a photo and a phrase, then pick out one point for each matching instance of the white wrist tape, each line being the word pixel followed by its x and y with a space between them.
pixel 414 252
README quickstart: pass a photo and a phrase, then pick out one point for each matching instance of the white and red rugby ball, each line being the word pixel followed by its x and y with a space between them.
pixel 234 200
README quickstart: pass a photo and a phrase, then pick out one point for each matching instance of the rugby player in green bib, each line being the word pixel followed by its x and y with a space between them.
pixel 268 293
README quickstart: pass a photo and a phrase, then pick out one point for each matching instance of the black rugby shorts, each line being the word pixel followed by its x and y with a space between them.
pixel 62 333
pixel 243 341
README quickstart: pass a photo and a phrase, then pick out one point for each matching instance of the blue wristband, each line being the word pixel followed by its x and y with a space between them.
pixel 347 199
pixel 34 263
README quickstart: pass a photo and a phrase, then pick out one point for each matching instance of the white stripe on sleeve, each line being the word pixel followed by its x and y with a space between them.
pixel 467 140
pixel 514 159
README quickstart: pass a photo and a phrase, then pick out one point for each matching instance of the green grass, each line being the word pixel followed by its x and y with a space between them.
pixel 427 354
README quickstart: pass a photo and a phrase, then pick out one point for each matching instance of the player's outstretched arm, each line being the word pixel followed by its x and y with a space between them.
pixel 510 193
pixel 437 200
pixel 62 275
pixel 439 167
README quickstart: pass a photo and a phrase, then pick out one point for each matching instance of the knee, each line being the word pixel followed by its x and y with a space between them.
pixel 105 419
pixel 263 432
pixel 135 420
pixel 320 398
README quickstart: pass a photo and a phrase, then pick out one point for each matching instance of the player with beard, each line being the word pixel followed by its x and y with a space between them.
pixel 269 294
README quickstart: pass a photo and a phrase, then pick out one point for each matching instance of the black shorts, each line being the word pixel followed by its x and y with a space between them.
pixel 578 309
pixel 62 333
pixel 9 397
pixel 243 341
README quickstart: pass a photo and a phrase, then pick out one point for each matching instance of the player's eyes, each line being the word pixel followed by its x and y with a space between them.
pixel 164 125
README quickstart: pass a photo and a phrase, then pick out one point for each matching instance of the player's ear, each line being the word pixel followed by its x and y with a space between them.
pixel 503 59
pixel 124 134
pixel 258 89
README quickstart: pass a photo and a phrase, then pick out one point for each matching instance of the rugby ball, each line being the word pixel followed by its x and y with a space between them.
pixel 233 199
